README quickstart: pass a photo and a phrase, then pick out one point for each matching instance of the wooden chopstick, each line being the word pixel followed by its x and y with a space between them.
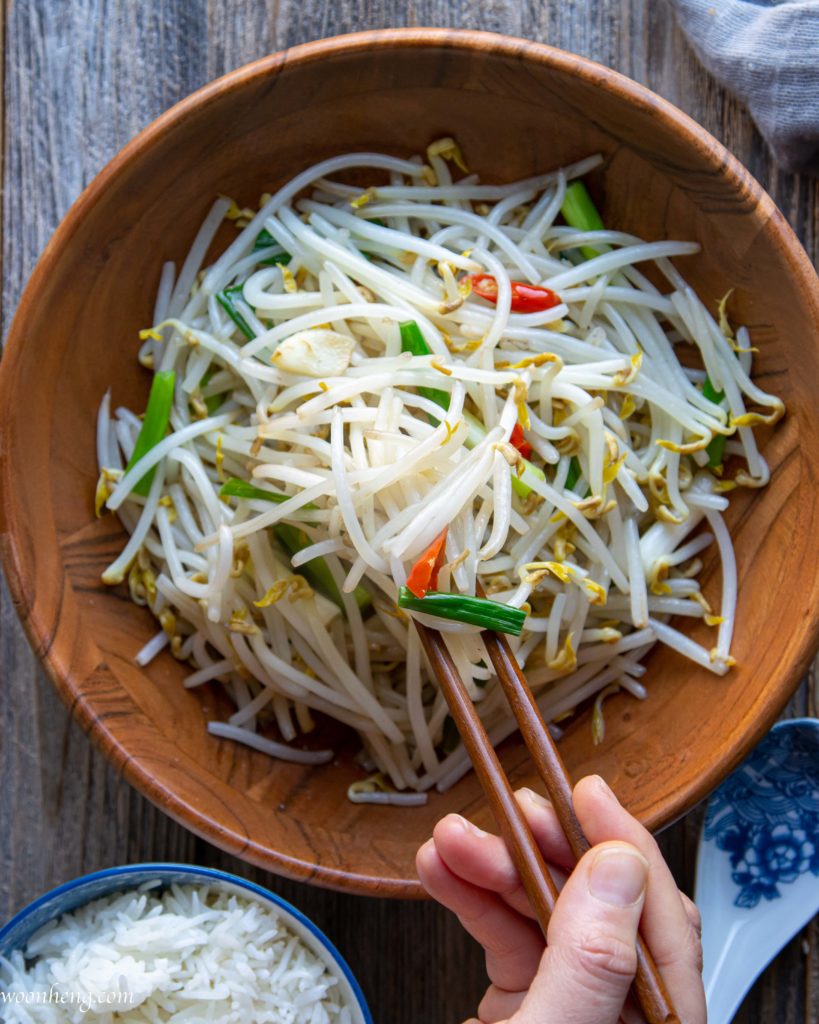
pixel 648 985
pixel 648 988
pixel 538 882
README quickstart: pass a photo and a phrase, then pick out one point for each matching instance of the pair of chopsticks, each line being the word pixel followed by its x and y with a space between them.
pixel 648 988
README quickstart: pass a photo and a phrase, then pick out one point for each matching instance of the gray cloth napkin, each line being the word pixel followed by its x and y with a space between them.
pixel 767 53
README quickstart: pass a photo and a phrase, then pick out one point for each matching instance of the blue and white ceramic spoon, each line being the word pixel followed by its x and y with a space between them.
pixel 758 862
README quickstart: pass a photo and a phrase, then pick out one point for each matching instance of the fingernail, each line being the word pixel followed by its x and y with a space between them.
pixel 618 876
pixel 468 826
pixel 534 798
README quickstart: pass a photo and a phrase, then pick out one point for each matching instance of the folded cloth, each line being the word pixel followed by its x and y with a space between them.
pixel 767 53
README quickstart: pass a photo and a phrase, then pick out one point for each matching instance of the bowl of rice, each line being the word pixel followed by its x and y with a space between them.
pixel 171 942
pixel 345 331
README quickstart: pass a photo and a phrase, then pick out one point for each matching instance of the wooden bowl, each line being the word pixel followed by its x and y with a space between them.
pixel 517 108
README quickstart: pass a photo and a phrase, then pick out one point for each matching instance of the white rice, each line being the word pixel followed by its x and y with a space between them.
pixel 184 954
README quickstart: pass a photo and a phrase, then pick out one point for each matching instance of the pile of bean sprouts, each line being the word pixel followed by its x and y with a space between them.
pixel 322 405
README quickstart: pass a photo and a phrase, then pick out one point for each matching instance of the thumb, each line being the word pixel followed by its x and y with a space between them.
pixel 591 958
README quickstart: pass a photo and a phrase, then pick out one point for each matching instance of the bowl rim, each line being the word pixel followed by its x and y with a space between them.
pixel 215 874
pixel 15 559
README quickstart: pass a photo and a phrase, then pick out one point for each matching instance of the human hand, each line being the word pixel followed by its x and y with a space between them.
pixel 583 974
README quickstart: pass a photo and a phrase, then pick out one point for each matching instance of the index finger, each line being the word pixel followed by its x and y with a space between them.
pixel 513 944
pixel 483 859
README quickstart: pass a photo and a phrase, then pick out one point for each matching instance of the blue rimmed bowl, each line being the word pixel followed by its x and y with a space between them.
pixel 76 893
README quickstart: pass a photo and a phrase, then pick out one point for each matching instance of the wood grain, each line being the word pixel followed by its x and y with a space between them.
pixel 81 79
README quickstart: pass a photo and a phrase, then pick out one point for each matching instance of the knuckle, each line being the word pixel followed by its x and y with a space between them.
pixel 694 945
pixel 686 950
pixel 513 890
pixel 485 1005
pixel 693 938
pixel 488 1008
pixel 500 1005
pixel 504 949
pixel 498 943
pixel 475 916
pixel 606 958
pixel 650 848
pixel 693 913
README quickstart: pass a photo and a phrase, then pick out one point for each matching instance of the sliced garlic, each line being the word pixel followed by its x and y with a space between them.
pixel 316 353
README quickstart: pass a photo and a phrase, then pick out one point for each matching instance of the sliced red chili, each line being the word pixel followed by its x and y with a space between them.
pixel 424 574
pixel 517 440
pixel 526 298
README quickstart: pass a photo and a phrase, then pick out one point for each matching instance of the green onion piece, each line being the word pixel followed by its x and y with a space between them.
pixel 711 393
pixel 278 257
pixel 264 240
pixel 578 208
pixel 292 539
pixel 519 485
pixel 225 300
pixel 477 432
pixel 213 402
pixel 579 212
pixel 574 473
pixel 235 488
pixel 477 611
pixel 376 220
pixel 154 426
pixel 412 340
pixel 716 447
pixel 317 571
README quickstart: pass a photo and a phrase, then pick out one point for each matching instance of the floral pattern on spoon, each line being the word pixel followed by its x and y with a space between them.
pixel 766 815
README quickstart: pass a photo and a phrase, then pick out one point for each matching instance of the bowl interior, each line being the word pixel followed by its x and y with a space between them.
pixel 516 109
pixel 68 897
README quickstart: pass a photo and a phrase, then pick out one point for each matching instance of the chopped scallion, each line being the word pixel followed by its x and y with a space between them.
pixel 477 432
pixel 292 539
pixel 574 473
pixel 226 301
pixel 579 212
pixel 716 447
pixel 154 426
pixel 317 571
pixel 212 402
pixel 412 340
pixel 477 611
pixel 235 488
pixel 264 240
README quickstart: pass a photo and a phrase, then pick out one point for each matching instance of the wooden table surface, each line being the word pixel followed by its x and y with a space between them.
pixel 81 78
